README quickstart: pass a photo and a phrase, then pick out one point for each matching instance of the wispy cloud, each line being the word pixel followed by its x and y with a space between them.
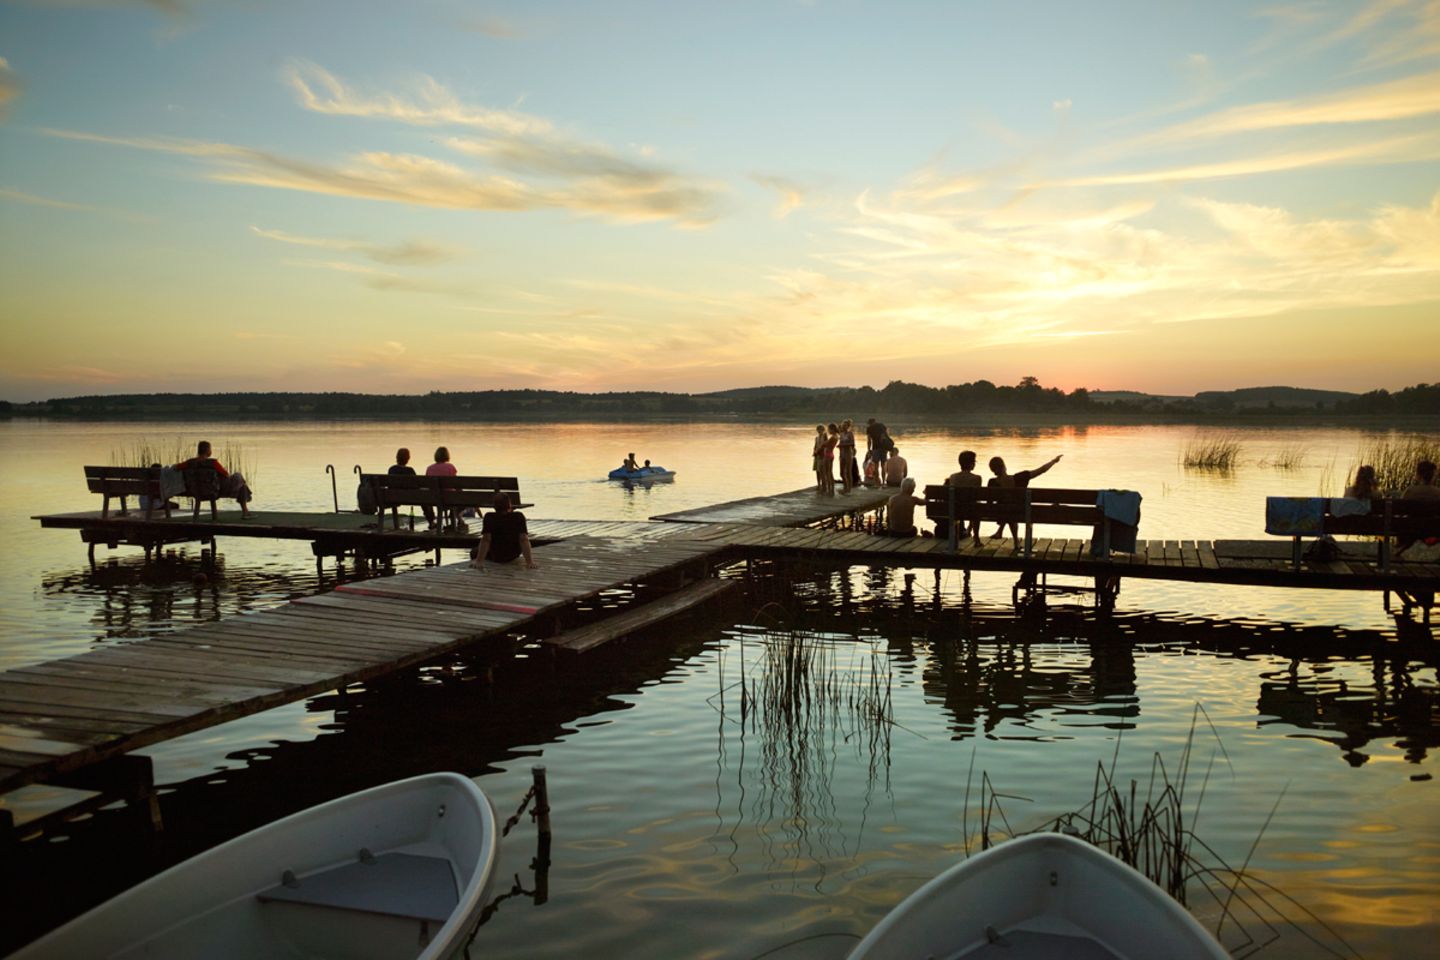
pixel 424 181
pixel 35 200
pixel 9 87
pixel 1394 100
pixel 431 105
pixel 409 253
pixel 792 195
pixel 1404 149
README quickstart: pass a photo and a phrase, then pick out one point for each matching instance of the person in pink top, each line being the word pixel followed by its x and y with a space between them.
pixel 442 467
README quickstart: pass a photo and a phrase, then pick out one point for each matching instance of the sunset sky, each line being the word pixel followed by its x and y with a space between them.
pixel 401 197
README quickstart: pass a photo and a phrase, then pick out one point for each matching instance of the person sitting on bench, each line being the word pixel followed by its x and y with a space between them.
pixel 231 484
pixel 503 537
pixel 1014 481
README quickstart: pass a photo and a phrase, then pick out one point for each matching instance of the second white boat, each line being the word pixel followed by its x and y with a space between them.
pixel 1045 896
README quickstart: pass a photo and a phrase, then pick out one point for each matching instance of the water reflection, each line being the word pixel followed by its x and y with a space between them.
pixel 765 752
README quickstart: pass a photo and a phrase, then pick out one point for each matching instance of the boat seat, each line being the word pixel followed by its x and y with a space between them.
pixel 1038 945
pixel 393 884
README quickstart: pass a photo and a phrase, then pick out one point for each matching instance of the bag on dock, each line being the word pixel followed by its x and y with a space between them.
pixel 365 498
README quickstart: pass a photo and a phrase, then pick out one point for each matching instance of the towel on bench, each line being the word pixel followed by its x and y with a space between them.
pixel 1295 516
pixel 1122 521
pixel 1349 507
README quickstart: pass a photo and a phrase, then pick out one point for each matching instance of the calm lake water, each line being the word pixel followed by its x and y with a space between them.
pixel 682 830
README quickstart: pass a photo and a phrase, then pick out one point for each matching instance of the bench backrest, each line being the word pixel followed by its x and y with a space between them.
pixel 398 490
pixel 1388 517
pixel 1055 505
pixel 201 483
pixel 122 481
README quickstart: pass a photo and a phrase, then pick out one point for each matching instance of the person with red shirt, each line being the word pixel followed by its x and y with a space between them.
pixel 231 484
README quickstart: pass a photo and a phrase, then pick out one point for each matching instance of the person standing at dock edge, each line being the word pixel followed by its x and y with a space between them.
pixel 231 484
pixel 817 458
pixel 442 467
pixel 847 454
pixel 503 537
pixel 875 446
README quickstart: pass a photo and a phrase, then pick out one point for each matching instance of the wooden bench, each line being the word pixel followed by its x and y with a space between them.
pixel 952 507
pixel 126 482
pixel 441 494
pixel 1388 519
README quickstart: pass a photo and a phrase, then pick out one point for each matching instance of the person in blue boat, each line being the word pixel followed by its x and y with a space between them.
pixel 504 538
pixel 630 465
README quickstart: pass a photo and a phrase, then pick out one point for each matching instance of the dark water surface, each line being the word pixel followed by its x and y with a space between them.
pixel 686 828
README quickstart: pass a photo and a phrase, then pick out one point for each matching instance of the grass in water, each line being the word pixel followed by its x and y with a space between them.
pixel 1289 457
pixel 144 453
pixel 1151 830
pixel 1211 451
pixel 1394 459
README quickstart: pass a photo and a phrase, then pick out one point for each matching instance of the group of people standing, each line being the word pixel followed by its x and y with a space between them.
pixel 882 463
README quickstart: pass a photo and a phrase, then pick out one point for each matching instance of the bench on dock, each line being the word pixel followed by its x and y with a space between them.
pixel 953 507
pixel 124 482
pixel 441 494
pixel 1300 517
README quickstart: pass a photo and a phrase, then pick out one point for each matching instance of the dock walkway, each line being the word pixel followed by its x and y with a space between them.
pixel 67 714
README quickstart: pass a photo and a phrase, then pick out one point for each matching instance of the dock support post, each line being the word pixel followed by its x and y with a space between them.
pixel 130 777
pixel 541 865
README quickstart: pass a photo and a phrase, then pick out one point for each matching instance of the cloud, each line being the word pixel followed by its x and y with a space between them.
pixel 792 195
pixel 9 87
pixel 35 200
pixel 497 28
pixel 433 105
pixel 409 253
pixel 1405 149
pixel 1394 100
pixel 424 181
pixel 171 8
pixel 1062 106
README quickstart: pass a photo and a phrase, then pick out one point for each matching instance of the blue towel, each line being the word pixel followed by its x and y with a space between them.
pixel 1120 505
pixel 1122 521
pixel 1295 516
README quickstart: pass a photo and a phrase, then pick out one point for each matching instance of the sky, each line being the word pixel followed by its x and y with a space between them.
pixel 402 197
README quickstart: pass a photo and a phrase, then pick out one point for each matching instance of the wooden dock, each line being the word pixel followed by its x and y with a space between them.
pixel 60 718
pixel 66 714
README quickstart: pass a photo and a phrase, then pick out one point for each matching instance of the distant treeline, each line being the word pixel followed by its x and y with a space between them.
pixel 896 398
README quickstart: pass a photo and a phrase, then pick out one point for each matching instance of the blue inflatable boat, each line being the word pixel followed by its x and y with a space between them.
pixel 644 473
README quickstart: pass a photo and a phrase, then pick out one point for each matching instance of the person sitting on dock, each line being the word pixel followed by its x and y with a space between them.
pixel 503 537
pixel 1014 481
pixel 896 468
pixel 900 510
pixel 231 484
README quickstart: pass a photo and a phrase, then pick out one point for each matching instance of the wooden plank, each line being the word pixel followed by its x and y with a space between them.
pixel 631 621
pixel 1189 554
pixel 1205 553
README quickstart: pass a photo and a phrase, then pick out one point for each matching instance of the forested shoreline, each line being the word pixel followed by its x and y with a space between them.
pixel 899 398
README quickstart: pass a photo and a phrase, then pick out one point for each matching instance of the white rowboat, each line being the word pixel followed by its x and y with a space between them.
pixel 399 870
pixel 1039 897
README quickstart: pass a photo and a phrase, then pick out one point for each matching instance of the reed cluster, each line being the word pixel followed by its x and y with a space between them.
pixel 1291 456
pixel 1151 831
pixel 1212 451
pixel 147 452
pixel 1394 459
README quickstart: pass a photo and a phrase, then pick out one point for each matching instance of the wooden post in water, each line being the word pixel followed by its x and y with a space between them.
pixel 542 824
